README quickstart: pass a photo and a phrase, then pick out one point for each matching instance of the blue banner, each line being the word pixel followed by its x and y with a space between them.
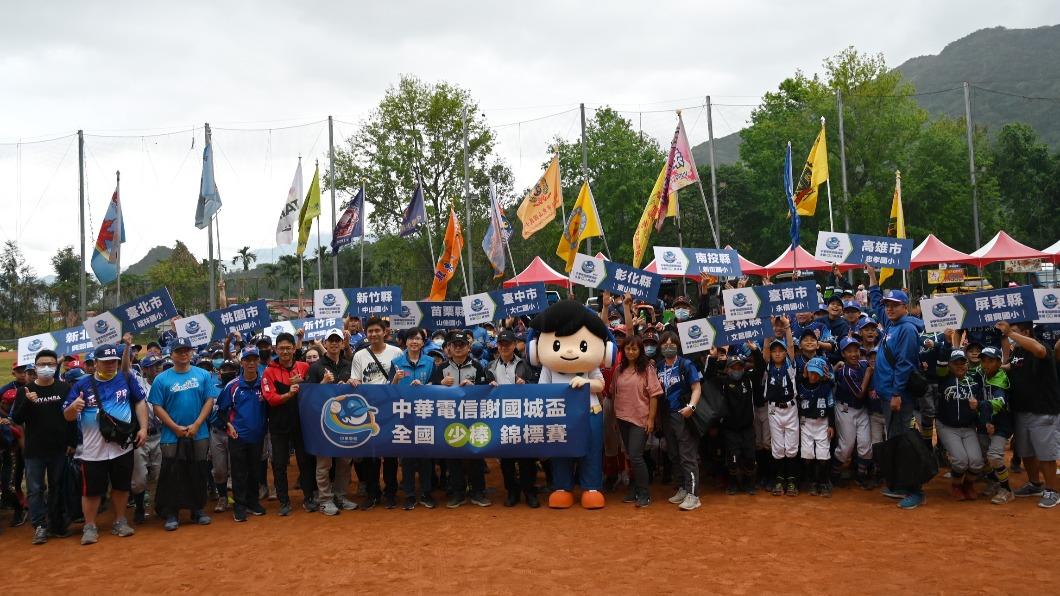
pixel 132 317
pixel 878 251
pixel 313 328
pixel 979 309
pixel 509 302
pixel 444 422
pixel 72 340
pixel 429 315
pixel 772 300
pixel 357 302
pixel 213 326
pixel 698 335
pixel 609 276
pixel 673 260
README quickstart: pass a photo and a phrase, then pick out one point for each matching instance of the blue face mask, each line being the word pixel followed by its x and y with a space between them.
pixel 217 362
pixel 438 342
pixel 681 313
pixel 649 351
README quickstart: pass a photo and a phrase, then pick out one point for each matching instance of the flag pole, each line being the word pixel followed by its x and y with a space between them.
pixel 713 178
pixel 220 264
pixel 787 195
pixel 469 282
pixel 120 236
pixel 427 220
pixel 362 232
pixel 320 266
pixel 828 184
pixel 212 282
pixel 585 180
pixel 81 195
pixel 331 187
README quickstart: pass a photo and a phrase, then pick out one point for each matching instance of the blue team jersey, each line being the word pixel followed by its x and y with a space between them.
pixel 183 395
pixel 118 395
pixel 677 380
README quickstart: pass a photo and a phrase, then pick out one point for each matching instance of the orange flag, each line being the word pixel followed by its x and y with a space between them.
pixel 448 260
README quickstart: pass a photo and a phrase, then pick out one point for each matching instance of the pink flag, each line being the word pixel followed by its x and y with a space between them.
pixel 680 172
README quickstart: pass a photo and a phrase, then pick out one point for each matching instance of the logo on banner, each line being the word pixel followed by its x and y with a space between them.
pixel 694 332
pixel 588 266
pixel 477 305
pixel 832 243
pixel 669 256
pixel 348 420
pixel 36 344
pixel 329 300
pixel 1048 301
pixel 101 326
pixel 739 300
pixel 940 309
pixel 192 327
pixel 278 329
pixel 405 311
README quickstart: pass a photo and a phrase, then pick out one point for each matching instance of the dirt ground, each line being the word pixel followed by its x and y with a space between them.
pixel 855 542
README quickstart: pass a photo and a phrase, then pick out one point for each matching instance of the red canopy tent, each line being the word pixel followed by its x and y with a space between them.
pixel 803 261
pixel 538 271
pixel 1053 250
pixel 1003 248
pixel 933 251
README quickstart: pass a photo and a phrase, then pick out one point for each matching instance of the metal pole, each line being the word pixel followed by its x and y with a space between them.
pixel 971 159
pixel 843 161
pixel 828 185
pixel 210 291
pixel 362 234
pixel 585 179
pixel 331 186
pixel 81 194
pixel 715 223
pixel 120 236
pixel 467 207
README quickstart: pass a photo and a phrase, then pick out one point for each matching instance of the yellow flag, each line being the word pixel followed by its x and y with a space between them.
pixel 896 225
pixel 540 204
pixel 650 215
pixel 583 222
pixel 310 210
pixel 814 174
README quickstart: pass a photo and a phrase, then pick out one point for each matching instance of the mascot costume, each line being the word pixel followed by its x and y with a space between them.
pixel 571 344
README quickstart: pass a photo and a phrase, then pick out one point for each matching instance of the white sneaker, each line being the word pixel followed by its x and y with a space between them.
pixel 691 502
pixel 679 496
pixel 346 504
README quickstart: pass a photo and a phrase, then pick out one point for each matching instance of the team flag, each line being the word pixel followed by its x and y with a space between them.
pixel 415 214
pixel 680 172
pixel 310 210
pixel 105 258
pixel 449 259
pixel 896 225
pixel 583 222
pixel 814 174
pixel 493 241
pixel 350 225
pixel 209 199
pixel 540 204
pixel 643 233
pixel 289 215
pixel 793 211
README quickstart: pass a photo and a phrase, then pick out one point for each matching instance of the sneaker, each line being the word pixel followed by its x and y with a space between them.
pixel 263 493
pixel 272 493
pixel 428 502
pixel 329 508
pixel 390 501
pixel 369 504
pixel 19 518
pixel 346 504
pixel 122 529
pixel 1049 499
pixel 1028 490
pixel 480 499
pixel 912 501
pixel 456 501
pixel 792 489
pixel 531 500
pixel 410 504
pixel 679 496
pixel 221 506
pixel 89 535
pixel 59 533
pixel 239 514
pixel 256 510
pixel 691 502
pixel 1002 496
pixel 40 535
pixel 200 518
pixel 892 493
pixel 990 490
pixel 285 509
pixel 631 496
pixel 826 490
pixel 778 489
pixel 310 506
pixel 814 489
pixel 171 523
pixel 643 500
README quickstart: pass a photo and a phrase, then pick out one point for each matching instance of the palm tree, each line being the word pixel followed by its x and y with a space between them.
pixel 246 256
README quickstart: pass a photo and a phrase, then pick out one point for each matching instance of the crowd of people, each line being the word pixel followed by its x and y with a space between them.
pixel 167 427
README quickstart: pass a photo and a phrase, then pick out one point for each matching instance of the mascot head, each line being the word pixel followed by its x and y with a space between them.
pixel 570 338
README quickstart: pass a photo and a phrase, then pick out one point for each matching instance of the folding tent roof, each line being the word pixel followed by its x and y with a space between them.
pixel 933 251
pixel 538 271
pixel 1003 247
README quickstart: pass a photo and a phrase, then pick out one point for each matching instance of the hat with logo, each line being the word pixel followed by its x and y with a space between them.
pixel 865 322
pixel 958 355
pixel 180 343
pixel 896 296
pixel 835 297
pixel 990 352
pixel 848 341
pixel 150 361
pixel 506 335
pixel 457 336
pixel 817 365
pixel 333 332
pixel 249 353
pixel 851 305
pixel 107 352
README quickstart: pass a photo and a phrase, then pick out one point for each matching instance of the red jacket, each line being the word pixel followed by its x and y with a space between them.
pixel 283 416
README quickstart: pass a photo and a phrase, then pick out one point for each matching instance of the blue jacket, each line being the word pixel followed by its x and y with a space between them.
pixel 903 339
pixel 422 371
pixel 241 403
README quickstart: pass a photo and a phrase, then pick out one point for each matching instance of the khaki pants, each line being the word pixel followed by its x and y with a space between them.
pixel 325 486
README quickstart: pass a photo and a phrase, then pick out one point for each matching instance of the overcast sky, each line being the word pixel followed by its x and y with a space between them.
pixel 122 70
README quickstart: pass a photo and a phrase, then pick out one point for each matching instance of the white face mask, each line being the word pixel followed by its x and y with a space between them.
pixel 46 372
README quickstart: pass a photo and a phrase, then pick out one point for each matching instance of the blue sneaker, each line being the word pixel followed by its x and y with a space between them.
pixel 912 501
pixel 892 493
pixel 171 524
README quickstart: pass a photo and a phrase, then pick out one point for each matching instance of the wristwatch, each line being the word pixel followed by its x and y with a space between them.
pixel 692 406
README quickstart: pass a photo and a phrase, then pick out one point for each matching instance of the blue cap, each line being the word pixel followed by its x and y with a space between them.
pixel 851 304
pixel 817 365
pixel 150 361
pixel 808 331
pixel 835 297
pixel 778 342
pixel 990 352
pixel 107 352
pixel 822 306
pixel 249 353
pixel 180 343
pixel 435 350
pixel 865 322
pixel 848 341
pixel 89 357
pixel 73 374
pixel 896 296
pixel 958 355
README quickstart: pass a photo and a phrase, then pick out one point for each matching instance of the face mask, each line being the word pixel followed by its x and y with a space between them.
pixel 438 342
pixel 735 375
pixel 217 362
pixel 615 322
pixel 650 350
pixel 227 376
pixel 669 351
pixel 102 376
pixel 46 372
pixel 681 313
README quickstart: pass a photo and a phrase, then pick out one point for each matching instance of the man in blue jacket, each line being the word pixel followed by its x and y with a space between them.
pixel 900 358
pixel 242 408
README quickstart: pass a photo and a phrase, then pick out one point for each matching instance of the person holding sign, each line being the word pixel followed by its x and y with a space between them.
pixel 279 387
pixel 520 474
pixel 414 368
pixel 333 367
pixel 374 365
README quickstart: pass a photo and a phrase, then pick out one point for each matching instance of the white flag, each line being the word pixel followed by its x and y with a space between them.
pixel 289 215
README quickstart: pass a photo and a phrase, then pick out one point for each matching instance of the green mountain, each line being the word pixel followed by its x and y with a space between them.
pixel 1014 73
pixel 141 267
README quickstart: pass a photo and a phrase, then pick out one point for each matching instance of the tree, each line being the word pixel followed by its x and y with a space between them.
pixel 245 256
pixel 1027 182
pixel 21 293
pixel 185 277
pixel 65 291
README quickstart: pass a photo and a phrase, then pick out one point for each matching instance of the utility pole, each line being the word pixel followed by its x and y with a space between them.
pixel 971 159
pixel 213 282
pixel 81 193
pixel 467 210
pixel 331 186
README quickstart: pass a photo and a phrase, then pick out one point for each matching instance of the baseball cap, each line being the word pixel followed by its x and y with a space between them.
pixel 835 297
pixel 435 351
pixel 865 322
pixel 73 374
pixel 806 332
pixel 73 363
pixel 682 300
pixel 506 335
pixel 848 341
pixel 896 296
pixel 231 364
pixel 817 365
pixel 457 336
pixel 180 343
pixel 851 305
pixel 958 355
pixel 249 353
pixel 108 352
pixel 822 307
pixel 150 361
pixel 990 352
pixel 619 329
pixel 333 332
pixel 778 342
pixel 736 358
pixel 265 339
pixel 89 357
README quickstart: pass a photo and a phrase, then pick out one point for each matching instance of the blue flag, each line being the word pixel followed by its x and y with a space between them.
pixel 414 215
pixel 105 257
pixel 209 198
pixel 350 225
pixel 790 194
